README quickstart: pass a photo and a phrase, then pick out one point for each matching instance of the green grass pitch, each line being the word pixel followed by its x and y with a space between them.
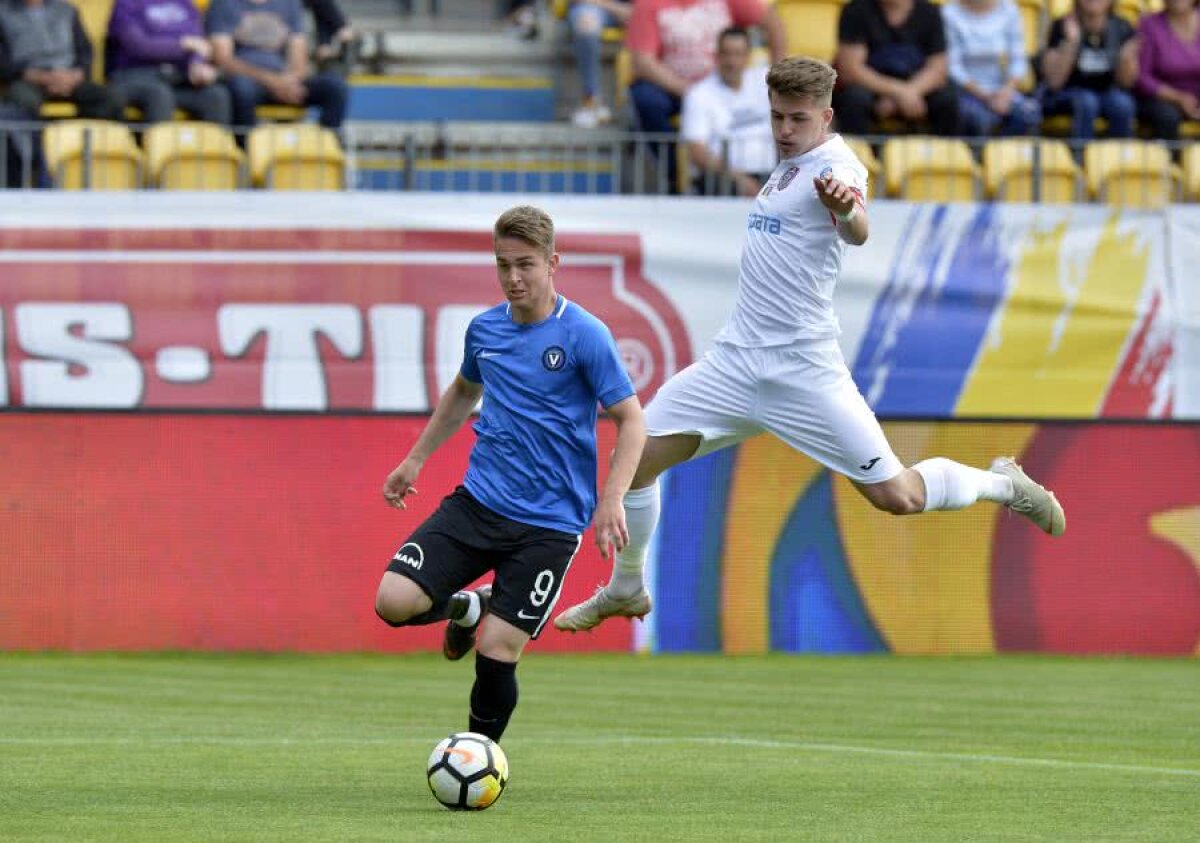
pixel 231 747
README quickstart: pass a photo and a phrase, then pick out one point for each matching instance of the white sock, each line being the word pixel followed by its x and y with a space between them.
pixel 952 485
pixel 473 611
pixel 641 517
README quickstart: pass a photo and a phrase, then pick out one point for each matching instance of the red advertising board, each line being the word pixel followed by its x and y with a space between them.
pixel 139 531
pixel 308 320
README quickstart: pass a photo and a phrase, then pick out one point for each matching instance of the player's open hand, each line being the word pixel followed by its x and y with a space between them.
pixel 399 484
pixel 609 524
pixel 834 195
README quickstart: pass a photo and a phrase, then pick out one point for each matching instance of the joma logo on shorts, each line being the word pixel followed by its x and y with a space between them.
pixel 761 222
pixel 411 555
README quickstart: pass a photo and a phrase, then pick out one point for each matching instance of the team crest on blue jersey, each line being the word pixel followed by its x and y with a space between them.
pixel 787 177
pixel 827 173
pixel 554 358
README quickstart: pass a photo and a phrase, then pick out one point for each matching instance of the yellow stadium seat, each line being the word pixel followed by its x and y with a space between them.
pixel 811 26
pixel 1191 172
pixel 59 110
pixel 867 156
pixel 622 76
pixel 1131 10
pixel 1008 171
pixel 1056 9
pixel 927 168
pixel 115 160
pixel 1131 173
pixel 193 156
pixel 296 157
pixel 276 113
pixel 94 15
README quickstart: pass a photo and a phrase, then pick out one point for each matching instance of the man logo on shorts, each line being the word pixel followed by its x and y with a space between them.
pixel 554 358
pixel 411 555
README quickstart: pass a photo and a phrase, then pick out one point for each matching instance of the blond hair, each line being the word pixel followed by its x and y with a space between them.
pixel 527 223
pixel 802 77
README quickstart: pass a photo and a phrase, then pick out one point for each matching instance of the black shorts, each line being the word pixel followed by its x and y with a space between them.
pixel 463 540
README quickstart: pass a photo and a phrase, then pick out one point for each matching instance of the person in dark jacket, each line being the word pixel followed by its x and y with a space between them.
pixel 47 57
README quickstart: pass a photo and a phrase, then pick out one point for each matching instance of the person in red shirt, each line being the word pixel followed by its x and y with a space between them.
pixel 673 45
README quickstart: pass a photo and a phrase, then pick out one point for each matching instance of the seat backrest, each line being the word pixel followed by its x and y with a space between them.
pixel 192 156
pixel 66 140
pixel 912 161
pixel 1191 171
pixel 1009 167
pixel 1105 159
pixel 811 26
pixel 296 154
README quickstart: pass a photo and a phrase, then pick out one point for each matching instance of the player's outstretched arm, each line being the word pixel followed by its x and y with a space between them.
pixel 609 521
pixel 452 410
pixel 847 208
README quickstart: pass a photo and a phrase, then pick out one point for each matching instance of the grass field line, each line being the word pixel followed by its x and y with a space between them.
pixel 608 740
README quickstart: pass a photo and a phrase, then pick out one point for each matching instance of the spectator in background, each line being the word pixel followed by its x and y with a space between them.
pixel 727 122
pixel 521 18
pixel 335 36
pixel 48 57
pixel 673 45
pixel 158 60
pixel 985 51
pixel 1089 65
pixel 588 19
pixel 891 63
pixel 1169 68
pixel 261 48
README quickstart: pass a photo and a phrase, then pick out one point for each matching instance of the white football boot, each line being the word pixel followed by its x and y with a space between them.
pixel 1031 499
pixel 593 611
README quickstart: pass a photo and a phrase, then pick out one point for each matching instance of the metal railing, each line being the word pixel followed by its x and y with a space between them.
pixel 559 159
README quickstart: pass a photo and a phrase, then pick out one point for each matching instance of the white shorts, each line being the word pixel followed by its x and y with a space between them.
pixel 802 393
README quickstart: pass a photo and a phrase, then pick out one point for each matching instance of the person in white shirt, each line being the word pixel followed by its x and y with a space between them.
pixel 727 122
pixel 777 367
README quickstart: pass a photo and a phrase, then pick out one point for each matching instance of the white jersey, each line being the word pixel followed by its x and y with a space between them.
pixel 793 253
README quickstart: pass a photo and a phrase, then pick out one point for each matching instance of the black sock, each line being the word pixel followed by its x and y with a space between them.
pixel 493 697
pixel 433 615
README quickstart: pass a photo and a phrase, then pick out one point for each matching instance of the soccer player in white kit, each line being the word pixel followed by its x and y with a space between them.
pixel 776 365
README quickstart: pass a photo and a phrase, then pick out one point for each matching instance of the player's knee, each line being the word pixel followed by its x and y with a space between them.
pixel 897 501
pixel 500 649
pixel 399 599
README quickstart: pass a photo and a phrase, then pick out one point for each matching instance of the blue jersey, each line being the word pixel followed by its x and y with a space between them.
pixel 535 457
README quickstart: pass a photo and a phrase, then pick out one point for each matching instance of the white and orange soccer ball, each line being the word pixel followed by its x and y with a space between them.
pixel 467 772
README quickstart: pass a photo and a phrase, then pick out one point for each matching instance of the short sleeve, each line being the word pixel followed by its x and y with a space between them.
pixel 935 31
pixel 851 172
pixel 295 17
pixel 695 125
pixel 1056 35
pixel 641 33
pixel 852 24
pixel 219 19
pixel 601 362
pixel 746 12
pixel 470 365
pixel 1125 30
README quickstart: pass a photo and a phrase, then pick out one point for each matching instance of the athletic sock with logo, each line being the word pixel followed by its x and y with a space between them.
pixel 641 517
pixel 952 485
pixel 493 697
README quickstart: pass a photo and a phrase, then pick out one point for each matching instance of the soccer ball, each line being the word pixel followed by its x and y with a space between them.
pixel 467 772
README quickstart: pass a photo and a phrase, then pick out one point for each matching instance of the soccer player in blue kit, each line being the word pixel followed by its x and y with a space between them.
pixel 541 363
